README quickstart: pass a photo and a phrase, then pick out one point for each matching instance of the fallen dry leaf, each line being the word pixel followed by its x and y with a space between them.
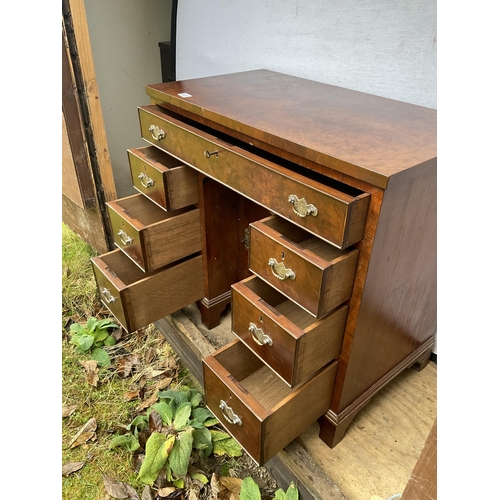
pixel 130 395
pixel 117 489
pixel 118 333
pixel 164 492
pixel 71 467
pixel 68 410
pixel 91 371
pixel 149 402
pixel 126 364
pixel 163 383
pixel 85 433
pixel 220 492
pixel 233 484
pixel 150 355
pixel 147 493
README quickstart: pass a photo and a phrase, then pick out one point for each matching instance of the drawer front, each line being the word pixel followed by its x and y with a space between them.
pixel 149 235
pixel 315 283
pixel 109 290
pixel 147 297
pixel 162 178
pixel 255 406
pixel 330 213
pixel 293 343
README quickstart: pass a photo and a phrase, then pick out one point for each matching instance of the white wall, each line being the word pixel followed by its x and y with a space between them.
pixel 124 36
pixel 384 47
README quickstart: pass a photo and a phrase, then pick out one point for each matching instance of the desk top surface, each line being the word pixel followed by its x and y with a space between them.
pixel 368 137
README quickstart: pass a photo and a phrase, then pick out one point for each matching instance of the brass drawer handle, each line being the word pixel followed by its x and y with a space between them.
pixel 280 271
pixel 124 237
pixel 107 296
pixel 208 154
pixel 259 336
pixel 229 414
pixel 301 207
pixel 146 181
pixel 157 133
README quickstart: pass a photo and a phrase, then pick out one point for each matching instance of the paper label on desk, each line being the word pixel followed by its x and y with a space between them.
pixel 184 94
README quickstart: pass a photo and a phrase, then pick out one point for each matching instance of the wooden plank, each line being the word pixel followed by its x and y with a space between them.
pixel 83 182
pixel 423 480
pixel 384 441
pixel 91 94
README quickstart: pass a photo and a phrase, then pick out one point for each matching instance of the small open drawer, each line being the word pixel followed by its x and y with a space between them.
pixel 287 338
pixel 310 272
pixel 137 299
pixel 255 406
pixel 150 236
pixel 162 178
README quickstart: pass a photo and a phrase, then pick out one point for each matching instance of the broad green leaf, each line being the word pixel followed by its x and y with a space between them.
pixel 85 342
pixel 292 493
pixel 211 421
pixel 218 435
pixel 182 416
pixel 110 340
pixel 229 447
pixel 106 323
pixel 91 324
pixel 201 477
pixel 101 356
pixel 165 411
pixel 195 398
pixel 201 414
pixel 201 438
pixel 249 490
pixel 76 328
pixel 180 454
pixel 279 495
pixel 100 334
pixel 139 422
pixel 157 447
pixel 178 483
pixel 126 441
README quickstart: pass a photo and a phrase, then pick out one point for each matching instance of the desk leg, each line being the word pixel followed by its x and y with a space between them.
pixel 225 216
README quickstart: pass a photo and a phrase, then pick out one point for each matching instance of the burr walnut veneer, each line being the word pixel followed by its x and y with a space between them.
pixel 311 210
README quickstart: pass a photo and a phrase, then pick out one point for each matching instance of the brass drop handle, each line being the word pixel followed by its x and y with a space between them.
pixel 259 336
pixel 146 181
pixel 209 154
pixel 301 207
pixel 107 296
pixel 124 237
pixel 280 271
pixel 229 414
pixel 157 133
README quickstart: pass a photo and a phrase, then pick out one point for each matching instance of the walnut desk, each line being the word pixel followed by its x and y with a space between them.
pixel 310 209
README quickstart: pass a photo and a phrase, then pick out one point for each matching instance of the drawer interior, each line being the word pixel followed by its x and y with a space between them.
pixel 140 208
pixel 122 267
pixel 280 303
pixel 303 239
pixel 160 156
pixel 254 376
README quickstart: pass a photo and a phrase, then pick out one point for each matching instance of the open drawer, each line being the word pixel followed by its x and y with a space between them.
pixel 288 339
pixel 255 406
pixel 150 236
pixel 162 178
pixel 137 299
pixel 310 272
pixel 333 210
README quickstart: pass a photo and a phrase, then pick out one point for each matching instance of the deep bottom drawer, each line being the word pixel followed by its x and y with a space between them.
pixel 255 406
pixel 137 299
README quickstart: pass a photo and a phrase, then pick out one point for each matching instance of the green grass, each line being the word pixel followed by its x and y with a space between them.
pixel 105 403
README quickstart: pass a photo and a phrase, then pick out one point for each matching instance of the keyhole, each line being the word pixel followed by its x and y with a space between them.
pixel 261 319
pixel 282 255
